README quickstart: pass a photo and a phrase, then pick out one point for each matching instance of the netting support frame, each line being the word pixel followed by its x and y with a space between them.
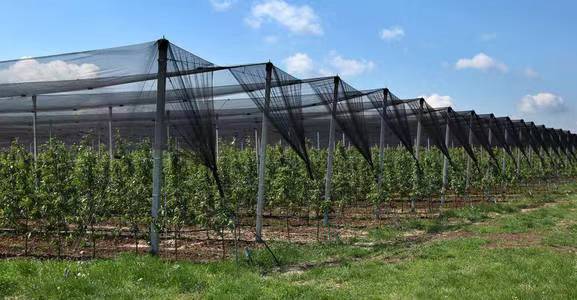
pixel 262 155
pixel 468 172
pixel 158 144
pixel 445 166
pixel 381 153
pixel 34 134
pixel 110 137
pixel 331 152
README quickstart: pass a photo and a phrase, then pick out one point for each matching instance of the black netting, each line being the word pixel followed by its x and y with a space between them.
pixel 285 107
pixel 431 123
pixel 461 130
pixel 497 133
pixel 192 97
pixel 347 107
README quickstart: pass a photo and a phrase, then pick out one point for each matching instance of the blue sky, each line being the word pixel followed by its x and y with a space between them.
pixel 514 58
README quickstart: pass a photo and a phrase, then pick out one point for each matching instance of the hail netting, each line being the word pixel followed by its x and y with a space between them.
pixel 397 118
pixel 430 124
pixel 191 99
pixel 284 109
pixel 460 126
pixel 497 133
pixel 78 71
pixel 480 132
pixel 347 108
pixel 524 138
pixel 395 114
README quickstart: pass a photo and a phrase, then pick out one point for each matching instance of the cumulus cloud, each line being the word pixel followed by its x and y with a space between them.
pixel 222 5
pixel 392 33
pixel 28 70
pixel 271 39
pixel 482 62
pixel 436 100
pixel 541 102
pixel 299 64
pixel 298 19
pixel 485 37
pixel 348 66
pixel 530 73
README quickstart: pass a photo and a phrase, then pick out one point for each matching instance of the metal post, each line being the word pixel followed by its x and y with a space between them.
pixel 503 156
pixel 445 166
pixel 34 137
pixel 217 138
pixel 519 153
pixel 330 152
pixel 110 139
pixel 168 129
pixel 158 143
pixel 262 157
pixel 256 144
pixel 468 178
pixel 418 144
pixel 381 157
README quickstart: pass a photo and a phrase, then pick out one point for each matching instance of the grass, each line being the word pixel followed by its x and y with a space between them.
pixel 522 249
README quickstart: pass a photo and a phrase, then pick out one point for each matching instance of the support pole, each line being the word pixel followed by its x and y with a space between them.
pixel 256 144
pixel 158 143
pixel 418 144
pixel 168 143
pixel 518 158
pixel 318 140
pixel 262 156
pixel 34 136
pixel 110 139
pixel 445 166
pixel 503 156
pixel 330 152
pixel 217 138
pixel 468 178
pixel 381 160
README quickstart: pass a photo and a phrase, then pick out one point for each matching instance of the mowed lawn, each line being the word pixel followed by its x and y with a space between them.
pixel 523 249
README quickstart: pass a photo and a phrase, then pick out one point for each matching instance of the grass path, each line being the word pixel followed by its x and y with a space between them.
pixel 522 249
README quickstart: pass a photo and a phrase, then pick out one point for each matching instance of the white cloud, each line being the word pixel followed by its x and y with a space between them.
pixel 28 70
pixel 298 19
pixel 436 100
pixel 222 5
pixel 485 37
pixel 271 39
pixel 530 73
pixel 348 66
pixel 541 102
pixel 481 61
pixel 392 33
pixel 299 64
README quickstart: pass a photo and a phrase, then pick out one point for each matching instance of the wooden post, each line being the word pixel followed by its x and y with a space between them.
pixel 262 157
pixel 158 143
pixel 330 152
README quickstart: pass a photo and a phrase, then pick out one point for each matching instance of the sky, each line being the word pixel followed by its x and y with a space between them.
pixel 515 58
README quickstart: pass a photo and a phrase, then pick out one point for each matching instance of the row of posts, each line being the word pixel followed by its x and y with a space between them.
pixel 260 146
